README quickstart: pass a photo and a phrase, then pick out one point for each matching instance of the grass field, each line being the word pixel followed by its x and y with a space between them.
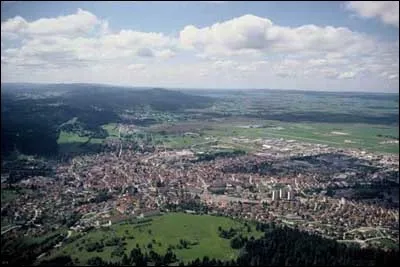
pixel 111 129
pixel 71 142
pixel 166 230
pixel 369 137
pixel 340 135
pixel 175 141
pixel 67 137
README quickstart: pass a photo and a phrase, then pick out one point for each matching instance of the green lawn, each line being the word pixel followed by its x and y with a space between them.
pixel 167 230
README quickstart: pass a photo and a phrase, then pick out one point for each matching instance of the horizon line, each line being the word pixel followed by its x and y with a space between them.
pixel 198 88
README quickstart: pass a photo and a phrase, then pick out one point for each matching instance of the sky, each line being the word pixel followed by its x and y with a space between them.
pixel 323 46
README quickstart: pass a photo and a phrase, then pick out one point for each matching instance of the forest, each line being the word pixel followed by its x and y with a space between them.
pixel 31 114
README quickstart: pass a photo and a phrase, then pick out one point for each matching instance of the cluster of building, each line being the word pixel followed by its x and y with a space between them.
pixel 286 182
pixel 281 194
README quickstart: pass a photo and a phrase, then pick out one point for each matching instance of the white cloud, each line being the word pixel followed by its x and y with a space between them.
pixel 14 25
pixel 104 28
pixel 144 52
pixel 347 75
pixel 252 33
pixel 167 53
pixel 247 51
pixel 81 23
pixel 136 67
pixel 386 11
pixel 80 39
pixel 307 51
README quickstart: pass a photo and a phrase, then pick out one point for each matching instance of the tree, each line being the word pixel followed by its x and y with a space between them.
pixel 96 261
pixel 237 242
pixel 206 261
pixel 125 260
pixel 330 192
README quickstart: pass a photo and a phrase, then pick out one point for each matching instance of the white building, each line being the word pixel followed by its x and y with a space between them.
pixel 289 195
pixel 342 201
pixel 273 195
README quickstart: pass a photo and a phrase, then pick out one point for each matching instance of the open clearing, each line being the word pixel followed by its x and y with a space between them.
pixel 67 137
pixel 166 230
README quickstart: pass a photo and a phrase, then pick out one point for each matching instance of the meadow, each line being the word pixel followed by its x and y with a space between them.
pixel 162 232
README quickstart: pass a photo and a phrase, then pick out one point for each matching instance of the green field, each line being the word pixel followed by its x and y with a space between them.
pixel 111 129
pixel 175 141
pixel 166 230
pixel 364 136
pixel 339 135
pixel 67 137
pixel 71 142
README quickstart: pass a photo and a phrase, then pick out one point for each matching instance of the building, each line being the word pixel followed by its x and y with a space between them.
pixel 289 195
pixel 273 195
pixel 280 194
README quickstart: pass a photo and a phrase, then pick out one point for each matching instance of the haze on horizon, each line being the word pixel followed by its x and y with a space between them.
pixel 322 46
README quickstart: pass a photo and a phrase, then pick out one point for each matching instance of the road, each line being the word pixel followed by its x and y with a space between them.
pixel 34 217
pixel 56 245
pixel 68 235
pixel 5 231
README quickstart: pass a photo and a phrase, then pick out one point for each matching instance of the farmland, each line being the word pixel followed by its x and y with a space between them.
pixel 363 136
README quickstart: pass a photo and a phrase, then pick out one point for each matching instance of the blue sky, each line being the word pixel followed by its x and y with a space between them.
pixel 290 45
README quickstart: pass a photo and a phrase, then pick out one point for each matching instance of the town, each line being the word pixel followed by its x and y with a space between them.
pixel 311 187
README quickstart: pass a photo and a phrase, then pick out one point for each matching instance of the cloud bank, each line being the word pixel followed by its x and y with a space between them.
pixel 246 51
